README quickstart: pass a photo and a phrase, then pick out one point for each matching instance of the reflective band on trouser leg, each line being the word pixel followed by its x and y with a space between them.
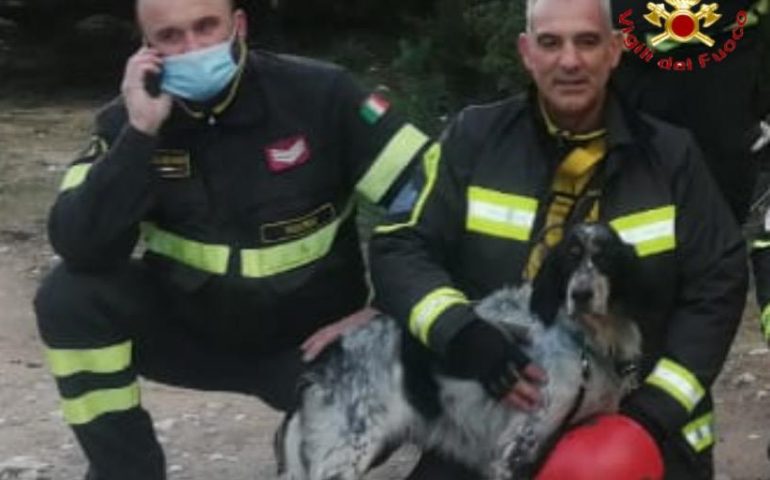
pixel 85 408
pixel 765 322
pixel 650 231
pixel 203 256
pixel 678 382
pixel 427 310
pixel 66 362
pixel 75 175
pixel 264 262
pixel 389 164
pixel 500 214
pixel 700 432
pixel 99 363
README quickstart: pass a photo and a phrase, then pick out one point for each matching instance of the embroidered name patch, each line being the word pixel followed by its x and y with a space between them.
pixel 298 227
pixel 172 164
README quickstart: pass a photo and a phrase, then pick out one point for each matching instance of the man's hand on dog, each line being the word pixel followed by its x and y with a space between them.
pixel 321 339
pixel 481 351
pixel 525 394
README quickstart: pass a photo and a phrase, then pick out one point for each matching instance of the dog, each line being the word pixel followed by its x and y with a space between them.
pixel 376 388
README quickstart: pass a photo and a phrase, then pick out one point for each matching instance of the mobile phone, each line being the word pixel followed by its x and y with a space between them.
pixel 152 84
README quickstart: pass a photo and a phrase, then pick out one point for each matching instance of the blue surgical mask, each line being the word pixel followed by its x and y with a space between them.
pixel 201 74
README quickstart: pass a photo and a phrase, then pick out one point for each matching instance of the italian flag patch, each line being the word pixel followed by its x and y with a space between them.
pixel 374 108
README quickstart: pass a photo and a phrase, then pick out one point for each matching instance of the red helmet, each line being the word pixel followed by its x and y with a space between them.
pixel 610 447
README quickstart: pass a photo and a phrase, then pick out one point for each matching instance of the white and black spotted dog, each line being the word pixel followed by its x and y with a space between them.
pixel 377 389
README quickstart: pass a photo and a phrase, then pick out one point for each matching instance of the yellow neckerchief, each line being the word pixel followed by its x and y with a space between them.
pixel 570 179
pixel 221 106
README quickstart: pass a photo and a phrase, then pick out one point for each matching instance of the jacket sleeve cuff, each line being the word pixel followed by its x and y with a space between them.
pixel 454 319
pixel 657 411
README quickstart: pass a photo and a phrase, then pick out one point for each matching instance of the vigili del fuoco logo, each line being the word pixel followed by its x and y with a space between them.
pixel 682 25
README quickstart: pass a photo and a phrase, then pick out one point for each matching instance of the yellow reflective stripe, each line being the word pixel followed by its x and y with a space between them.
pixel 678 382
pixel 765 321
pixel 430 165
pixel 700 432
pixel 74 176
pixel 401 148
pixel 84 409
pixel 427 310
pixel 760 244
pixel 651 231
pixel 207 257
pixel 500 214
pixel 263 262
pixel 65 362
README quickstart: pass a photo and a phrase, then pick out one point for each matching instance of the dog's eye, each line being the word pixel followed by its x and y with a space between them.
pixel 575 250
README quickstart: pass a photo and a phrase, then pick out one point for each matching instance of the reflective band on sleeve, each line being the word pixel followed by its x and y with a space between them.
pixel 700 432
pixel 207 257
pixel 86 408
pixel 75 175
pixel 765 322
pixel 431 160
pixel 66 362
pixel 263 262
pixel 391 162
pixel 427 310
pixel 678 382
pixel 650 232
pixel 500 214
pixel 760 244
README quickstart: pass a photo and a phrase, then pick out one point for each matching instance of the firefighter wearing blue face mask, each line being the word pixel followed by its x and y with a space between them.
pixel 201 74
pixel 240 178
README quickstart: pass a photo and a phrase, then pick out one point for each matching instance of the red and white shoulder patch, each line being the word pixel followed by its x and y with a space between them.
pixel 287 153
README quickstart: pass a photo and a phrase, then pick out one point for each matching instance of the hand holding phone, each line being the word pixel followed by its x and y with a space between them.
pixel 152 83
pixel 148 106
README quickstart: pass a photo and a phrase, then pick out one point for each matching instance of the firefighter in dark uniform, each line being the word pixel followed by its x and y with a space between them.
pixel 495 195
pixel 715 96
pixel 240 177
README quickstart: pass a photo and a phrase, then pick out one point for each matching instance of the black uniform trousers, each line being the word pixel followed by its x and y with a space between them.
pixel 84 311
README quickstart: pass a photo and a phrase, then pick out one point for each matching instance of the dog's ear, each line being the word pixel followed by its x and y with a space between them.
pixel 625 290
pixel 549 287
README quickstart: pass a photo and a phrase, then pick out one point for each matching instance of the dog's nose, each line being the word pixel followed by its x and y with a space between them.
pixel 582 295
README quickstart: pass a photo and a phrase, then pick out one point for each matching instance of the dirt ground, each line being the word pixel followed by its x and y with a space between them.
pixel 47 99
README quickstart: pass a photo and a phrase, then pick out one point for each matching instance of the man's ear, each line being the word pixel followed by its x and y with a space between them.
pixel 549 288
pixel 241 24
pixel 616 49
pixel 525 48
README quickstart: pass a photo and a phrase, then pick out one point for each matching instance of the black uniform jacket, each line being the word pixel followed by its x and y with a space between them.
pixel 472 228
pixel 249 207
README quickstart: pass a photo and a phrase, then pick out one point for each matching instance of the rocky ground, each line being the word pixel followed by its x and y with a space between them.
pixel 47 98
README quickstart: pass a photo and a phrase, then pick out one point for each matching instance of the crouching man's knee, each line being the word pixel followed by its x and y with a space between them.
pixel 75 308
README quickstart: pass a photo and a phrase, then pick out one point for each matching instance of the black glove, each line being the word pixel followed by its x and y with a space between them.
pixel 481 351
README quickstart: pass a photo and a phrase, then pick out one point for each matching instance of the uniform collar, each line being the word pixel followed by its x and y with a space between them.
pixel 617 132
pixel 615 129
pixel 242 103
